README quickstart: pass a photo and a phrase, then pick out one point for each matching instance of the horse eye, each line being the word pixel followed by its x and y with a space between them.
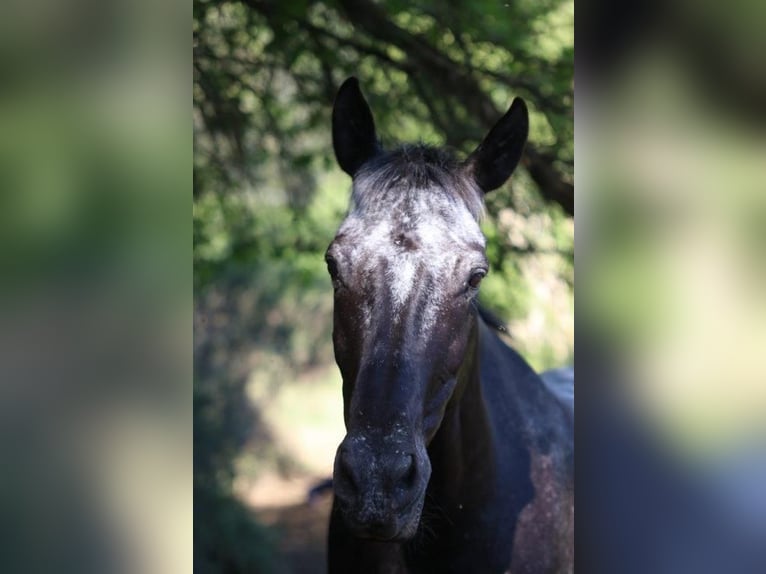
pixel 332 266
pixel 476 278
pixel 332 269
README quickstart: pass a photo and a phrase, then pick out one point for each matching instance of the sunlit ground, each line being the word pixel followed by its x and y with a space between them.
pixel 305 417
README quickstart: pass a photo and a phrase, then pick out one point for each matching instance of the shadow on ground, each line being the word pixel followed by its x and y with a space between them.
pixel 300 531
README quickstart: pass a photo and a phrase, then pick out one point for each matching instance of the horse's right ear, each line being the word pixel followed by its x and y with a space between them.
pixel 353 129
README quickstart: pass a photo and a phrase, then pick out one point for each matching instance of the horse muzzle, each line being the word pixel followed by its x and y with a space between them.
pixel 380 486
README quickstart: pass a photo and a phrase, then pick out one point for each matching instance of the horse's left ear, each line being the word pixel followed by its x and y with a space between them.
pixel 492 163
pixel 353 129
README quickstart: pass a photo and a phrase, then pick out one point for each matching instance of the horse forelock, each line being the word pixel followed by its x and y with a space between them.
pixel 414 198
pixel 411 169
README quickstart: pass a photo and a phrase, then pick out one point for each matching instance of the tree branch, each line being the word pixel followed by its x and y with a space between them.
pixel 455 81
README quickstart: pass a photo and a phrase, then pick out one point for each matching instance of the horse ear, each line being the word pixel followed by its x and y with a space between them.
pixel 353 129
pixel 492 163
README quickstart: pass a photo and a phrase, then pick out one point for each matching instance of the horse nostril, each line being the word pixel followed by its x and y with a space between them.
pixel 406 471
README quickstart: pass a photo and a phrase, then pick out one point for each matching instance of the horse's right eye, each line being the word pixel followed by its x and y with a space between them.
pixel 332 269
pixel 332 266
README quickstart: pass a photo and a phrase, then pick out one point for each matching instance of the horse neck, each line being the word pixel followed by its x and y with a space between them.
pixel 462 451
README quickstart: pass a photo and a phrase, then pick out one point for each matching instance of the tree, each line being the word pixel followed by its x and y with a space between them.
pixel 266 73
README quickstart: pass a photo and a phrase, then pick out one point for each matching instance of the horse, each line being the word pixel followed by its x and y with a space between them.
pixel 457 456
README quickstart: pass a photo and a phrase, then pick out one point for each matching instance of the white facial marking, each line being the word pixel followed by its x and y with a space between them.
pixel 402 278
pixel 417 234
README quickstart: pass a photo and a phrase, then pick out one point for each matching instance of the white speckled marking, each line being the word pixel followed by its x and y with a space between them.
pixel 447 238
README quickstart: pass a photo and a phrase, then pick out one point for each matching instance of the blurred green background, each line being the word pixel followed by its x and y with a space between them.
pixel 268 198
pixel 97 280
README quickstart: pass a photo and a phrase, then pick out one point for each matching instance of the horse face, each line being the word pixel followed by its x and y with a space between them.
pixel 406 265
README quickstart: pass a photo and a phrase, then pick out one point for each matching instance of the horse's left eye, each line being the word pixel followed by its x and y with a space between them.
pixel 475 279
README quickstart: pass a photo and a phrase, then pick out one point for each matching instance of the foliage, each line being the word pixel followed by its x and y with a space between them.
pixel 266 73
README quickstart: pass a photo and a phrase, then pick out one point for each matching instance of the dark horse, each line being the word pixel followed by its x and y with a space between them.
pixel 457 457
